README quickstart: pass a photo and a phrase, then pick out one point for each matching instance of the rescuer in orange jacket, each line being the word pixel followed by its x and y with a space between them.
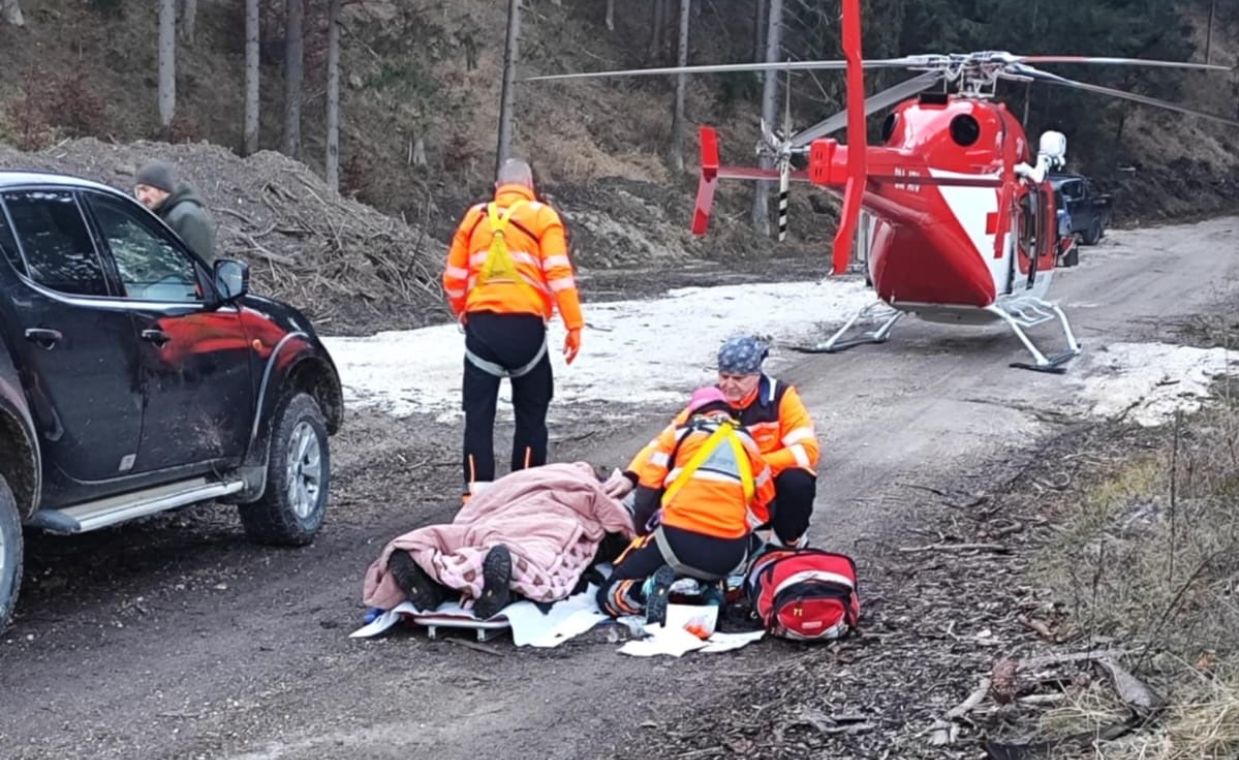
pixel 701 492
pixel 776 418
pixel 507 271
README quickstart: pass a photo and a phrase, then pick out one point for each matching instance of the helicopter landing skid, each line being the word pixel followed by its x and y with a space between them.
pixel 834 344
pixel 1025 313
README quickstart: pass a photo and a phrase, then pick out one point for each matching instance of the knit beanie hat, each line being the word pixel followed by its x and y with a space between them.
pixel 158 174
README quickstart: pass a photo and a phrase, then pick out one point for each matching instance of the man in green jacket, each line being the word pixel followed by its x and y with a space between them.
pixel 179 206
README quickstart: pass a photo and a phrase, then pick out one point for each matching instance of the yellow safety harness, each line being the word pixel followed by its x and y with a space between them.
pixel 725 433
pixel 499 266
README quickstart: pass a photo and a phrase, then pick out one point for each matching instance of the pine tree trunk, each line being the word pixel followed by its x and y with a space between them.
pixel 656 36
pixel 189 19
pixel 611 15
pixel 294 62
pixel 333 96
pixel 510 55
pixel 250 130
pixel 677 125
pixel 167 62
pixel 769 102
pixel 12 12
pixel 759 31
pixel 670 17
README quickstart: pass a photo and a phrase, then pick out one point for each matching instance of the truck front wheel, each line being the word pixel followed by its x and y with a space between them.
pixel 1095 233
pixel 294 504
pixel 10 553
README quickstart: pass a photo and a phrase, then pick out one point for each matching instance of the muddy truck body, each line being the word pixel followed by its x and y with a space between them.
pixel 135 379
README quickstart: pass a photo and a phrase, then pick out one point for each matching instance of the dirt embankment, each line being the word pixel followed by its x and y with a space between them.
pixel 351 268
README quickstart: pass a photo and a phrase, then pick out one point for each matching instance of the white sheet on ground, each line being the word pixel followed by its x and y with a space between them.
pixel 677 641
pixel 567 619
pixel 570 618
pixel 530 627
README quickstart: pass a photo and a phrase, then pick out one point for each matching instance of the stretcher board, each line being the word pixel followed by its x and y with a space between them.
pixel 486 629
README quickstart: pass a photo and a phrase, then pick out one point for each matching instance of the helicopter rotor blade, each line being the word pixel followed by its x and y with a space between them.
pixel 1048 78
pixel 873 104
pixel 724 68
pixel 1042 59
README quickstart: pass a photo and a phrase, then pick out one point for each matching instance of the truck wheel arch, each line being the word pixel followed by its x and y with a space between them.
pixel 19 463
pixel 306 373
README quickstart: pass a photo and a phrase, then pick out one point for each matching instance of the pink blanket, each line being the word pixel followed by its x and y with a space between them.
pixel 552 518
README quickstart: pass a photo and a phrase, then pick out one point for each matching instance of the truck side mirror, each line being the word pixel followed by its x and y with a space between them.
pixel 232 279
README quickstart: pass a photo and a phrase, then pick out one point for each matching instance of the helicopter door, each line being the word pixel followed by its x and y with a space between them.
pixel 1035 247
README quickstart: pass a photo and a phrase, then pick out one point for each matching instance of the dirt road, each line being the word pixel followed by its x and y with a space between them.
pixel 175 638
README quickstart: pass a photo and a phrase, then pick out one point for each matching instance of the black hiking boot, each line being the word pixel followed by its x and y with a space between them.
pixel 656 597
pixel 496 580
pixel 420 588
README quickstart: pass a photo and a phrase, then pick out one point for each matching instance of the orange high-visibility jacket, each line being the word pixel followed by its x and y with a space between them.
pixel 536 241
pixel 779 423
pixel 712 501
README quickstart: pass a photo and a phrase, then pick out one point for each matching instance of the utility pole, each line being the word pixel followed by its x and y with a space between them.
pixel 769 104
pixel 509 75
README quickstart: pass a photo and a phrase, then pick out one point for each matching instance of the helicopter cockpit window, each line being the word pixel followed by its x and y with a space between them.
pixel 965 130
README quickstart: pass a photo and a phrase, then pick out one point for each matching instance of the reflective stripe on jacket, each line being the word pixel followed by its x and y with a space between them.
pixel 536 242
pixel 779 423
pixel 713 500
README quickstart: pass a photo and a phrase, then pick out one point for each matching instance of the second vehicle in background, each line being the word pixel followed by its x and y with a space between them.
pixel 1089 210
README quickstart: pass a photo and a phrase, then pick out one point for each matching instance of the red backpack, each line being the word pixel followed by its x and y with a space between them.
pixel 804 594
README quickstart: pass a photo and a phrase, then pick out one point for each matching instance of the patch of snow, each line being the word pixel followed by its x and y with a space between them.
pixel 1148 382
pixel 632 351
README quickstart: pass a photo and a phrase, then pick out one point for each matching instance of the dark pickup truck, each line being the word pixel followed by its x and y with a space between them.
pixel 1089 210
pixel 134 379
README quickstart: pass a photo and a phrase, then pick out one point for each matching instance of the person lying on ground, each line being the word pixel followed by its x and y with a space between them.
pixel 701 492
pixel 532 533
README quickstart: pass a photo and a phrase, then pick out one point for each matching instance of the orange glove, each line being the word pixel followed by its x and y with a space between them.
pixel 572 344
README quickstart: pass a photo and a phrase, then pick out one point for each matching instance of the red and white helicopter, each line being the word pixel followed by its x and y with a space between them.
pixel 959 223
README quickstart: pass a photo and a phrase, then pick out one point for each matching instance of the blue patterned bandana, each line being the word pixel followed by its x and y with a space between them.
pixel 742 356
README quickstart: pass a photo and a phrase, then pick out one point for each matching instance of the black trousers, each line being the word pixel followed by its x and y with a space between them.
pixel 623 594
pixel 511 341
pixel 794 491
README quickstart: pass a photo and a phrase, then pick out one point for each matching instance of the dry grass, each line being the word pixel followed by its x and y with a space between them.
pixel 1147 552
pixel 1088 708
pixel 1203 724
pixel 1152 550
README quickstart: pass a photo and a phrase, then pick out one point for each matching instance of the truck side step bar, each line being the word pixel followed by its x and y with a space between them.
pixel 93 515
